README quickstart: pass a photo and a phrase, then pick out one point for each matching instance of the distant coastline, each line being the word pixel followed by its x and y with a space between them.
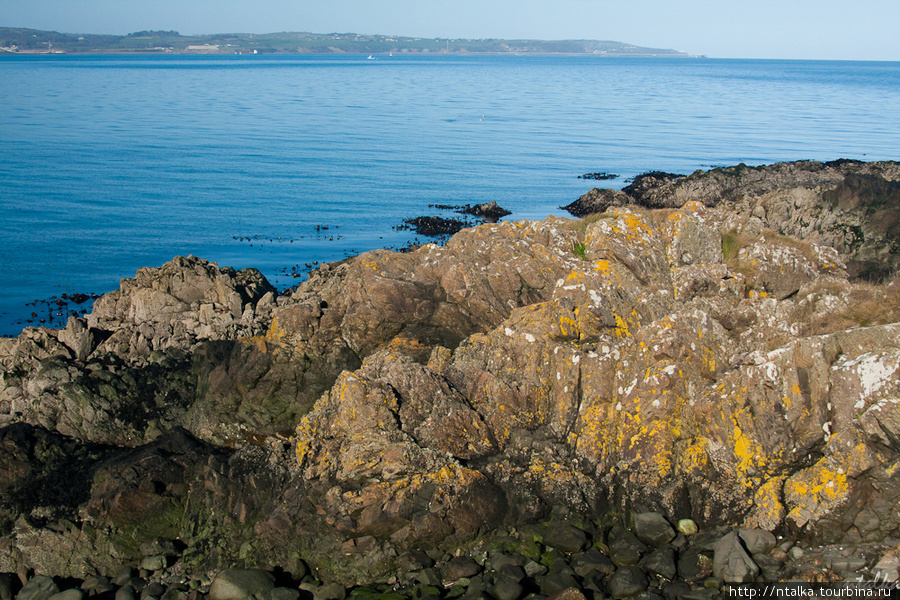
pixel 33 41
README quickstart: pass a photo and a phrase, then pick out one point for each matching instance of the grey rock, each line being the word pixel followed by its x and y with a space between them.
pixel 652 528
pixel 154 563
pixel 94 582
pixel 757 541
pixel 429 576
pixel 672 590
pixel 70 594
pixel 694 565
pixel 39 587
pixel 501 559
pixel 591 560
pixel 506 588
pixel 177 591
pixel 123 576
pixel 153 590
pixel 624 547
pixel 126 593
pixel 535 569
pixel 459 567
pixel 242 584
pixel 553 583
pixel 283 593
pixel 660 562
pixel 331 591
pixel 731 562
pixel 627 581
pixel 512 572
pixel 564 537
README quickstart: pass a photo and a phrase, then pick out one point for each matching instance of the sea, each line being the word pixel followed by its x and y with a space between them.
pixel 110 163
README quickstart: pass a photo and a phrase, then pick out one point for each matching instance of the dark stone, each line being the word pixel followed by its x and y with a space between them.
pixel 644 182
pixel 429 576
pixel 39 587
pixel 591 560
pixel 596 201
pixel 673 590
pixel 506 588
pixel 598 176
pixel 331 591
pixel 70 594
pixel 126 593
pixel 660 562
pixel 459 567
pixel 153 589
pixel 627 581
pixel 731 562
pixel 564 537
pixel 652 528
pixel 624 547
pixel 489 211
pixel 694 565
pixel 513 572
pixel 500 560
pixel 435 226
pixel 556 582
pixel 180 591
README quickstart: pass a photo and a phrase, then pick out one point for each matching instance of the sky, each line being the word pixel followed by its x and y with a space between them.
pixel 791 29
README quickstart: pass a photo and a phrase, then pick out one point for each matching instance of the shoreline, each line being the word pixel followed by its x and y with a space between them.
pixel 692 386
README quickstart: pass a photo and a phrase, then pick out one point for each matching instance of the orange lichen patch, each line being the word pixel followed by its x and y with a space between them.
pixel 552 474
pixel 693 206
pixel 305 439
pixel 603 267
pixel 622 329
pixel 258 342
pixel 594 431
pixel 814 492
pixel 651 442
pixel 409 347
pixel 676 217
pixel 695 458
pixel 275 334
pixel 633 225
pixel 768 511
pixel 750 455
pixel 368 263
pixel 851 453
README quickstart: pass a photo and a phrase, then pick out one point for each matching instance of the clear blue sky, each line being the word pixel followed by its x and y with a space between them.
pixel 814 29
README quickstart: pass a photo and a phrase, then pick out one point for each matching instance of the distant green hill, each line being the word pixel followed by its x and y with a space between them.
pixel 36 41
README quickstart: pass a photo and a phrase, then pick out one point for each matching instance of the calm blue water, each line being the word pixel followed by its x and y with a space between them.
pixel 110 163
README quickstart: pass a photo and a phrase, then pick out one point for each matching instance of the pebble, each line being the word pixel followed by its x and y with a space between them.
pixel 687 527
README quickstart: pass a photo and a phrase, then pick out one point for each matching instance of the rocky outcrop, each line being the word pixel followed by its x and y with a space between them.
pixel 693 365
pixel 851 206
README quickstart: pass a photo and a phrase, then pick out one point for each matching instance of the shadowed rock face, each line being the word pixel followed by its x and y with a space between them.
pixel 690 361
